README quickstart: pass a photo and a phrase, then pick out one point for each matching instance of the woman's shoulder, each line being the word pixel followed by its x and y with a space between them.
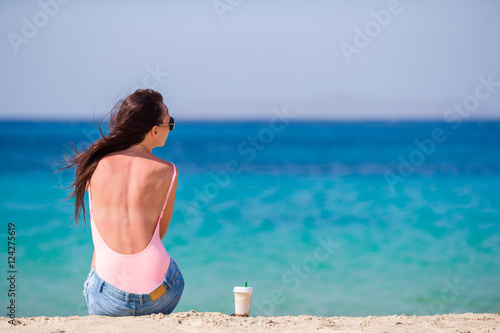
pixel 162 164
pixel 167 166
pixel 162 168
pixel 148 164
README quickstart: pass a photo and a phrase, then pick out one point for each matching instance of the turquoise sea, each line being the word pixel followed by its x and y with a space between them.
pixel 320 218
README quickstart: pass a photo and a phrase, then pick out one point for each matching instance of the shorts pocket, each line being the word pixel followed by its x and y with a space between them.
pixel 100 310
pixel 114 305
pixel 103 304
pixel 172 305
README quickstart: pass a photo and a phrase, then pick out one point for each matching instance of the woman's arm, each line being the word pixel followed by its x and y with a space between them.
pixel 93 262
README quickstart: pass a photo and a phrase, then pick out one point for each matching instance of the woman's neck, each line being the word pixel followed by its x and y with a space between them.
pixel 141 147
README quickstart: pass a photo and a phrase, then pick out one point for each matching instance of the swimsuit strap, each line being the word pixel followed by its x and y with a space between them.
pixel 168 192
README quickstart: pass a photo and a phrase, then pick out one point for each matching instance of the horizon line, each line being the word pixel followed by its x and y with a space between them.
pixel 258 119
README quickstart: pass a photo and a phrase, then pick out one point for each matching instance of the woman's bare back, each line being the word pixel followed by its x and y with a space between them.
pixel 128 190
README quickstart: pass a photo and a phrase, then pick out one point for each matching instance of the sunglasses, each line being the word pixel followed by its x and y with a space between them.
pixel 171 124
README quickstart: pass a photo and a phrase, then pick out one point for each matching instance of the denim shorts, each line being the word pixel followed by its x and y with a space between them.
pixel 106 300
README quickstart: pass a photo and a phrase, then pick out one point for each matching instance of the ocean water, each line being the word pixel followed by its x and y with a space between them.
pixel 320 218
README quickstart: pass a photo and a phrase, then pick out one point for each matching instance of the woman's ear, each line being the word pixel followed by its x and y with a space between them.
pixel 154 131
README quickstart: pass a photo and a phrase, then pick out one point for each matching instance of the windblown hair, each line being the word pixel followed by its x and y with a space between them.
pixel 130 121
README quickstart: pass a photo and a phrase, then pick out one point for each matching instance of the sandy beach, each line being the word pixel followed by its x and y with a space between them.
pixel 217 322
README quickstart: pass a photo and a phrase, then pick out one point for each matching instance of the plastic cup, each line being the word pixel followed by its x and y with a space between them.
pixel 242 301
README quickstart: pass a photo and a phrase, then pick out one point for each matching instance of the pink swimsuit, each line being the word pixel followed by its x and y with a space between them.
pixel 139 273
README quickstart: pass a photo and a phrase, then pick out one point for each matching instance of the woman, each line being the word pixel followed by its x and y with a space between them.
pixel 131 200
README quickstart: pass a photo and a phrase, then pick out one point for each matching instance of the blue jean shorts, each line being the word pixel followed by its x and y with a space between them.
pixel 106 300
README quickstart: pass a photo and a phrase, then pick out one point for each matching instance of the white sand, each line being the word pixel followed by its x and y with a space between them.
pixel 217 322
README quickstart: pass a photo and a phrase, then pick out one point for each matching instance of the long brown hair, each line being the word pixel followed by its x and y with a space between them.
pixel 130 121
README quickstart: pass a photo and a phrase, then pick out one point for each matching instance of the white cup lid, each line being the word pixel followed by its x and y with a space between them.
pixel 243 290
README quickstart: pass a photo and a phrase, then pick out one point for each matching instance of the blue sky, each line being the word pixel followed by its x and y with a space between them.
pixel 239 59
